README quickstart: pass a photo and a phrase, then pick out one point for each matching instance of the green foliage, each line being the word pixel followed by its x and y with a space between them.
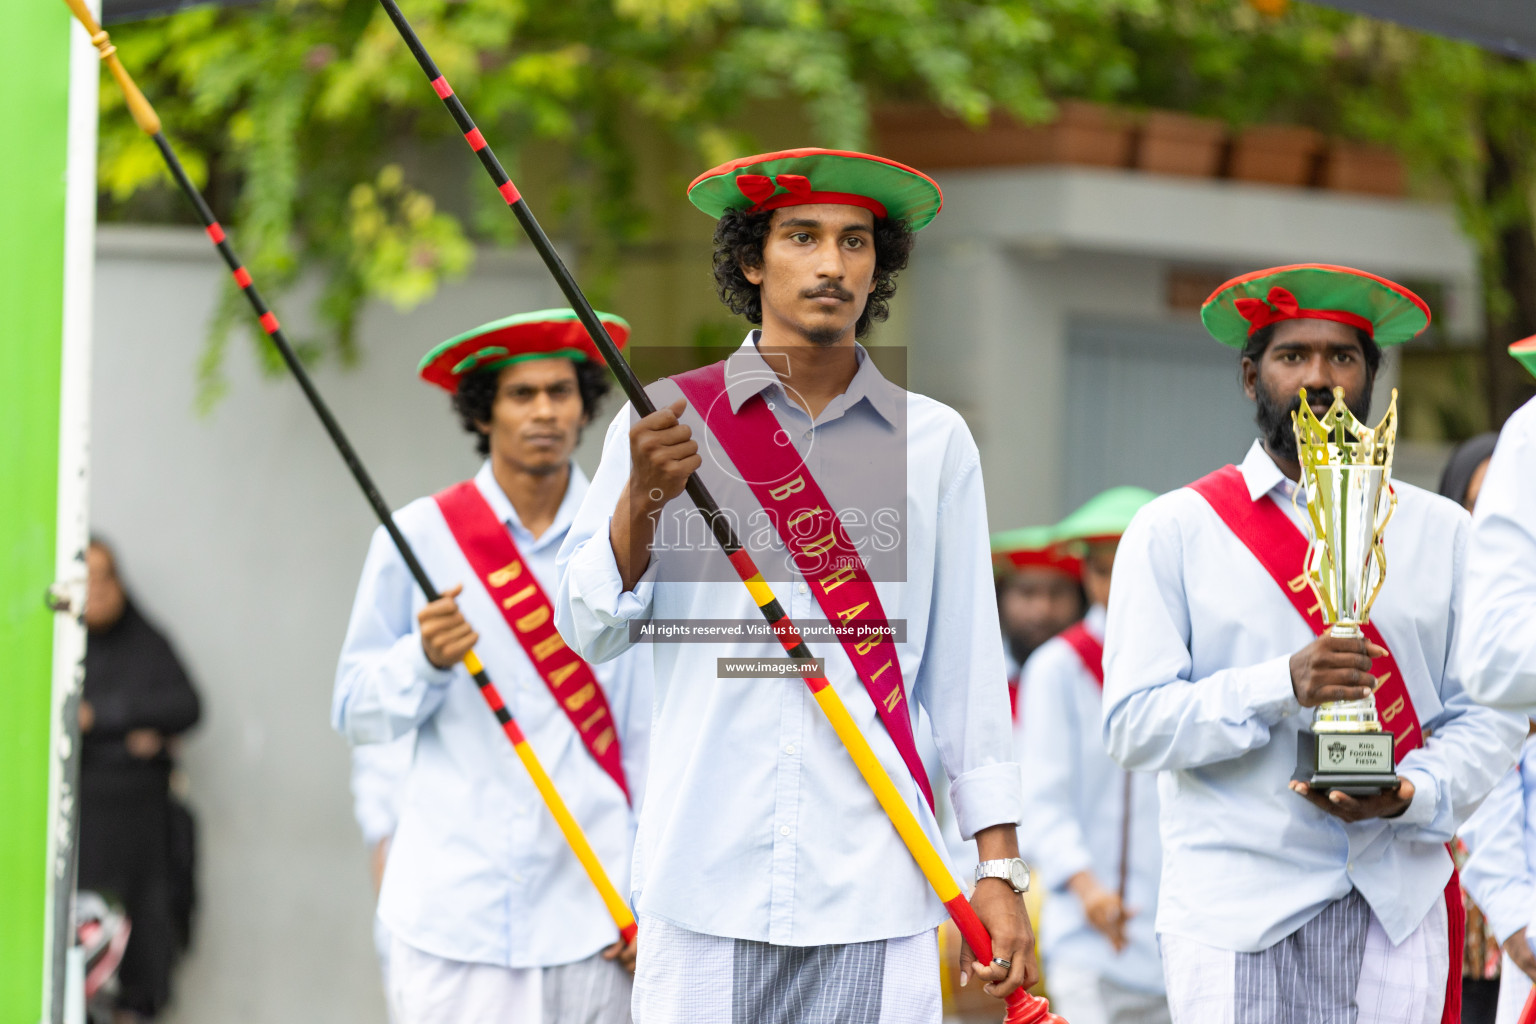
pixel 324 149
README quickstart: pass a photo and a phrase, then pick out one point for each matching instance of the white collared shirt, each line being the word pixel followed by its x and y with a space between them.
pixel 1198 687
pixel 478 871
pixel 1498 644
pixel 1500 872
pixel 1075 795
pixel 758 826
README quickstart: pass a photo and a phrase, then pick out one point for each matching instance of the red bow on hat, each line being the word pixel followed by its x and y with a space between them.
pixel 1282 305
pixel 759 187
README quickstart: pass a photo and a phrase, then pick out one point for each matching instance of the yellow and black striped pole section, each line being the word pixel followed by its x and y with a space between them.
pixel 1022 1007
pixel 144 115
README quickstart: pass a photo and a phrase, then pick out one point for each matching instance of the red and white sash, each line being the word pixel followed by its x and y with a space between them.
pixel 506 577
pixel 1270 535
pixel 814 535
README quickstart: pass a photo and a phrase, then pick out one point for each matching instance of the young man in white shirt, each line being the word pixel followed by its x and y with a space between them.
pixel 1280 903
pixel 1092 834
pixel 771 887
pixel 491 916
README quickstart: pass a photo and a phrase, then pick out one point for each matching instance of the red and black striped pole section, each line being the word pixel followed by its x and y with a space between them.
pixel 146 118
pixel 1022 1007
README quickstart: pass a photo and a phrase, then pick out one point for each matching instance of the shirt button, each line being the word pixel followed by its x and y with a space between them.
pixel 789 749
pixel 804 589
pixel 783 830
pixel 808 435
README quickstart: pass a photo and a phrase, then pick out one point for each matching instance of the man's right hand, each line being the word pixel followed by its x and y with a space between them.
pixel 1334 668
pixel 445 635
pixel 662 455
pixel 1102 907
pixel 1520 952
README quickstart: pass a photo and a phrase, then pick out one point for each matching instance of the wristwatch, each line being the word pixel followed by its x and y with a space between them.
pixel 1013 871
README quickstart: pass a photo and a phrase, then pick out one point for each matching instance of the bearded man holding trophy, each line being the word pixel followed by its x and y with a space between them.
pixel 1279 648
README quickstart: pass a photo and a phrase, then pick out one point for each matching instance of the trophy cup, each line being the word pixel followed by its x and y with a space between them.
pixel 1346 468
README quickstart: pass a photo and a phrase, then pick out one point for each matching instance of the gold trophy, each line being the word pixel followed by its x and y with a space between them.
pixel 1346 467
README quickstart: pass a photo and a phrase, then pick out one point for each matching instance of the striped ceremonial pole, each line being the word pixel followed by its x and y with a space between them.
pixel 146 118
pixel 1022 1007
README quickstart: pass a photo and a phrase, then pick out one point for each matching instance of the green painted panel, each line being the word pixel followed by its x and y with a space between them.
pixel 34 79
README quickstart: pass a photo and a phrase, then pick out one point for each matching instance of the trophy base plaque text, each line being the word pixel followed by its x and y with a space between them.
pixel 1358 763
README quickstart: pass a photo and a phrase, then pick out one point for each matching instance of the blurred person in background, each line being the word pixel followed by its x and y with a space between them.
pixel 1092 835
pixel 1039 592
pixel 134 839
pixel 378 776
pixel 490 915
pixel 1462 479
pixel 1481 966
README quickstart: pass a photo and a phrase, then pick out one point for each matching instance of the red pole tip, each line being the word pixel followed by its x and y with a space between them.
pixel 628 932
pixel 1024 1008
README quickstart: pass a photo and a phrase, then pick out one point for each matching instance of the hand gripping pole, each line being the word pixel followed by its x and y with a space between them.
pixel 144 115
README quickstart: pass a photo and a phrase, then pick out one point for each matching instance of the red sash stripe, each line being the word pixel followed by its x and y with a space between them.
pixel 1281 549
pixel 499 566
pixel 1088 649
pixel 817 542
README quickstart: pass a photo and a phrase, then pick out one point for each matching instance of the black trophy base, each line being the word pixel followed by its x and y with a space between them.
pixel 1357 763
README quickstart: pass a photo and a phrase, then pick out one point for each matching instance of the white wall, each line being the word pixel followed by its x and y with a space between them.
pixel 242 534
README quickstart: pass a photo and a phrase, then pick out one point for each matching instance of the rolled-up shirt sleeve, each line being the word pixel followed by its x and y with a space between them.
pixel 1156 717
pixel 961 682
pixel 1498 645
pixel 592 608
pixel 385 686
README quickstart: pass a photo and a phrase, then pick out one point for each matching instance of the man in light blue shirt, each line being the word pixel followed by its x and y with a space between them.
pixel 1278 903
pixel 770 884
pixel 492 917
pixel 1092 833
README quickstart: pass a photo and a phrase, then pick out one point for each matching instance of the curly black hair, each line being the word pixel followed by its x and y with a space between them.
pixel 477 393
pixel 739 240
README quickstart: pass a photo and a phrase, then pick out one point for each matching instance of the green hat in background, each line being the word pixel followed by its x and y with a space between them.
pixel 797 177
pixel 1525 352
pixel 537 335
pixel 1105 516
pixel 1388 312
pixel 1033 547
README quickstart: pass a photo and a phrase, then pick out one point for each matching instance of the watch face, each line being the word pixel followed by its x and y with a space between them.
pixel 1018 874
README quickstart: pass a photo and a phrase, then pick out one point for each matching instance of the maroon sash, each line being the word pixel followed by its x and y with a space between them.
pixel 811 530
pixel 1088 648
pixel 1281 549
pixel 501 570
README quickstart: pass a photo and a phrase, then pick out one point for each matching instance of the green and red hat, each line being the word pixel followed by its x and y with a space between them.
pixel 1389 313
pixel 1033 547
pixel 1525 352
pixel 541 334
pixel 1103 517
pixel 797 177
